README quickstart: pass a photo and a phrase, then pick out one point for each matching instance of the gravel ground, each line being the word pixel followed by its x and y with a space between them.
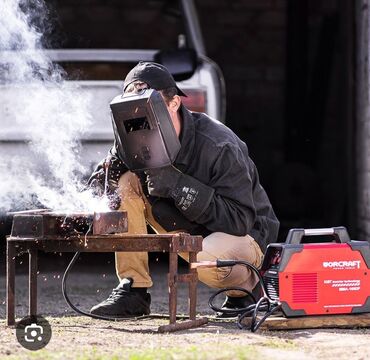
pixel 76 337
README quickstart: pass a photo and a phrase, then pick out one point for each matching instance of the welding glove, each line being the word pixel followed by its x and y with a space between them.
pixel 103 183
pixel 190 195
pixel 114 200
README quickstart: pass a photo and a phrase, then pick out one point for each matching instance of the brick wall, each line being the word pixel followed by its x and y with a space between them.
pixel 247 39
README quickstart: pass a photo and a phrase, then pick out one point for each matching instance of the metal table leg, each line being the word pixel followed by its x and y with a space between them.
pixel 172 286
pixel 191 278
pixel 193 287
pixel 10 283
pixel 32 282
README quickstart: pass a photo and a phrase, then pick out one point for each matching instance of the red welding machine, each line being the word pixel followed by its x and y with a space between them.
pixel 319 278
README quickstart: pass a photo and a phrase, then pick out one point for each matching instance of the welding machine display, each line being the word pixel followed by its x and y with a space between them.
pixel 319 278
pixel 145 135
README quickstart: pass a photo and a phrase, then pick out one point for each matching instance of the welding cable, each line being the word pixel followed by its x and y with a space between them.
pixel 75 308
pixel 264 304
pixel 64 288
pixel 249 309
pixel 79 311
pixel 64 291
pixel 255 323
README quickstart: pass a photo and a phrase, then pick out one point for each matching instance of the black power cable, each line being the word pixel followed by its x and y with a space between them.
pixel 75 308
pixel 64 291
pixel 264 304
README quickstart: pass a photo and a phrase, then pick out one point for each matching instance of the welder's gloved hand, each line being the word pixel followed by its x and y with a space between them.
pixel 190 195
pixel 162 181
pixel 114 200
pixel 106 175
pixel 96 187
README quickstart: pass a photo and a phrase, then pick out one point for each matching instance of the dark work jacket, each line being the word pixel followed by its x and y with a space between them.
pixel 215 156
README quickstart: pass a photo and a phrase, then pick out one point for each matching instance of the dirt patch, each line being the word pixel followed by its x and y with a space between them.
pixel 76 337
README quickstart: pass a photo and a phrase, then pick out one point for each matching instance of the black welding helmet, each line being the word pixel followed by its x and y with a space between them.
pixel 145 135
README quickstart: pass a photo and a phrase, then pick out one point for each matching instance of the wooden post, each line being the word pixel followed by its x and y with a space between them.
pixel 10 283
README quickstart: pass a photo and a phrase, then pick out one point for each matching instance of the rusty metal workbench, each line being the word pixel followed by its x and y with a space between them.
pixel 171 243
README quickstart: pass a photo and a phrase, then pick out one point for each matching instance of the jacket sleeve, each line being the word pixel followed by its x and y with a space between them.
pixel 230 208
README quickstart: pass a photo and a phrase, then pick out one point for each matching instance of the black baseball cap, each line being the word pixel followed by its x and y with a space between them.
pixel 155 75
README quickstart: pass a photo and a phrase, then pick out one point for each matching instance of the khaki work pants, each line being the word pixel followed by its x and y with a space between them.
pixel 217 245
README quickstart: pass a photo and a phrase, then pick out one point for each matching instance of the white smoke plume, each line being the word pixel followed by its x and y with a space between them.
pixel 49 112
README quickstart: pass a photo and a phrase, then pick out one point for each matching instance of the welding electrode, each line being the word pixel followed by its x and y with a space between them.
pixel 106 169
pixel 210 264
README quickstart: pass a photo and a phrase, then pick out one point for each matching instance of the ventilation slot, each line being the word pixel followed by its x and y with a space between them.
pixel 305 288
pixel 272 287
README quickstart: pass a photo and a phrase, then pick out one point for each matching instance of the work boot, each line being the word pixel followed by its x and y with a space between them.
pixel 235 303
pixel 124 301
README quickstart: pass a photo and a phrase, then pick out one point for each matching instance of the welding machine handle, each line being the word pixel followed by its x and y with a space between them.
pixel 340 234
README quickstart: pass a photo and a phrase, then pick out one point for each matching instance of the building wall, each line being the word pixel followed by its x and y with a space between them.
pixel 247 39
pixel 363 121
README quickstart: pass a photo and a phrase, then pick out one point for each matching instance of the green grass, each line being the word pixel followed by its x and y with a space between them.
pixel 218 351
pixel 283 344
pixel 210 348
pixel 209 351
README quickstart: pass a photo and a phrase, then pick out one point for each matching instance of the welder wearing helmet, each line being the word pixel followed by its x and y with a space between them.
pixel 225 202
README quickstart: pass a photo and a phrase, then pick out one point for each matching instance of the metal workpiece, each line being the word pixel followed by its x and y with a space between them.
pixel 41 224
